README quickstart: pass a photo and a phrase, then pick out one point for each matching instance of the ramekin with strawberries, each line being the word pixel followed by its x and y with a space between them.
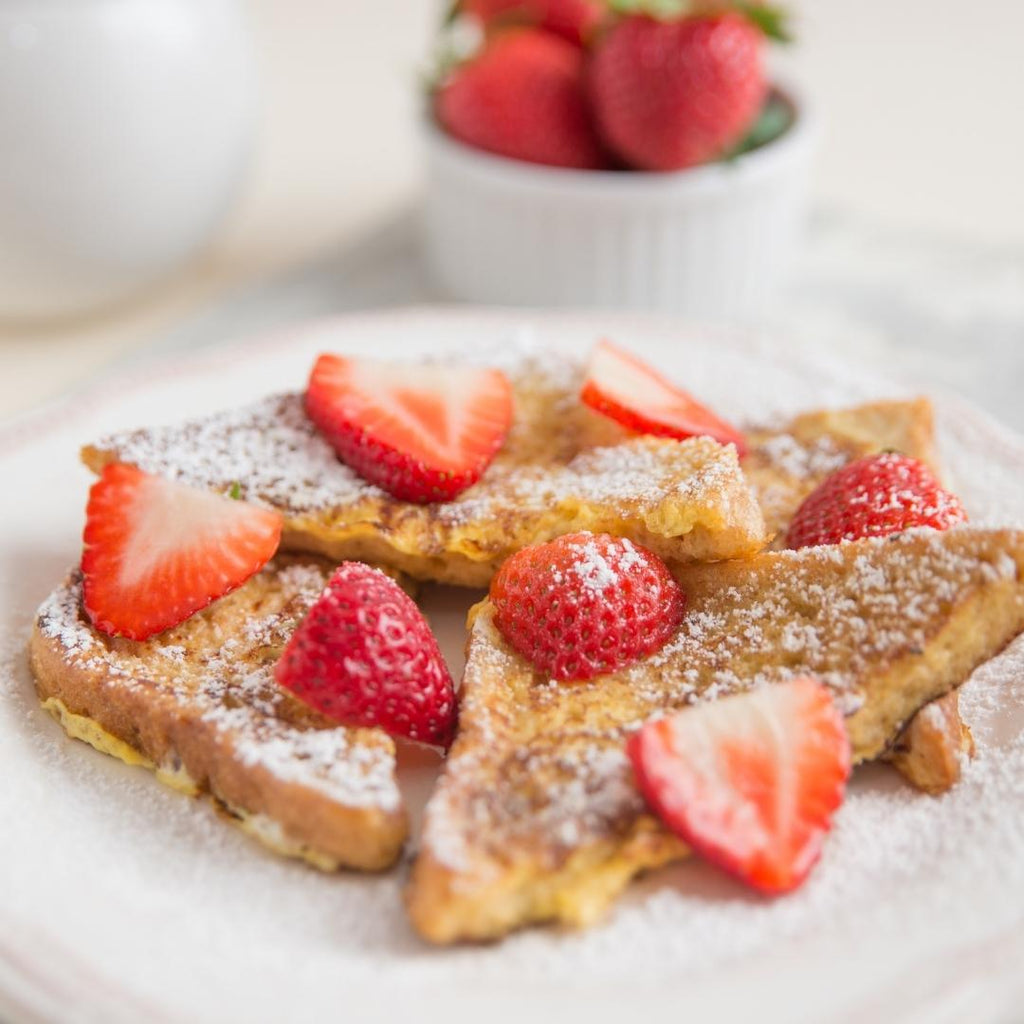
pixel 620 153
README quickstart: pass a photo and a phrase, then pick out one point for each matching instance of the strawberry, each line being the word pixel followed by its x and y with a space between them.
pixel 873 497
pixel 365 656
pixel 750 781
pixel 423 433
pixel 574 20
pixel 523 97
pixel 629 391
pixel 670 94
pixel 156 550
pixel 585 604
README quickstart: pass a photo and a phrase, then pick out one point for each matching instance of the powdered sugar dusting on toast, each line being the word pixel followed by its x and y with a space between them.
pixel 845 611
pixel 227 684
pixel 560 455
pixel 803 460
pixel 882 597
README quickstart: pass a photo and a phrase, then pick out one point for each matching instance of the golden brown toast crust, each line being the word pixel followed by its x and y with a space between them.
pixel 199 703
pixel 536 816
pixel 561 469
pixel 931 751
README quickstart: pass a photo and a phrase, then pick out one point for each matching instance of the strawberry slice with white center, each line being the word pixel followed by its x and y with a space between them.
pixel 620 386
pixel 422 433
pixel 156 550
pixel 750 781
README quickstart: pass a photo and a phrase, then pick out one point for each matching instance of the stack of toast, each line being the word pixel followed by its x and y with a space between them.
pixel 536 815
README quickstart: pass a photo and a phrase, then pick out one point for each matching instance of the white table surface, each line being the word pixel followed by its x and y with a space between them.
pixel 920 101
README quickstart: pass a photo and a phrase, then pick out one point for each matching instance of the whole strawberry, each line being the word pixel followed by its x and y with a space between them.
pixel 671 94
pixel 365 656
pixel 585 604
pixel 873 497
pixel 575 20
pixel 523 97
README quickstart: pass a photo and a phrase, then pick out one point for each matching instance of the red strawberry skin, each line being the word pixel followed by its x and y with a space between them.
pixel 620 386
pixel 365 656
pixel 668 95
pixel 873 497
pixel 523 97
pixel 574 20
pixel 750 781
pixel 157 551
pixel 422 433
pixel 585 604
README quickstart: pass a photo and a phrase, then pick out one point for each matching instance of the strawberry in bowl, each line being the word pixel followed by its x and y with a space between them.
pixel 625 153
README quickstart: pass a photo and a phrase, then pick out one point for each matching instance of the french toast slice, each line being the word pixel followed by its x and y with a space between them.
pixel 562 468
pixel 198 704
pixel 784 464
pixel 537 817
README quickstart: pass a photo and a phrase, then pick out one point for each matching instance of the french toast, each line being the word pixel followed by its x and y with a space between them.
pixel 537 817
pixel 198 704
pixel 784 464
pixel 562 468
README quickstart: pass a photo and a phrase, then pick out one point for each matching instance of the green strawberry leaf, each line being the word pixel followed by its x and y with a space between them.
pixel 772 21
pixel 775 118
pixel 663 10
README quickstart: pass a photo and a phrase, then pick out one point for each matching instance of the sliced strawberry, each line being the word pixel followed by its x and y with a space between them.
pixel 422 433
pixel 750 781
pixel 156 551
pixel 629 391
pixel 364 655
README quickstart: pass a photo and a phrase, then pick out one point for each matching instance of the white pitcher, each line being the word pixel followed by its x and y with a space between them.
pixel 125 126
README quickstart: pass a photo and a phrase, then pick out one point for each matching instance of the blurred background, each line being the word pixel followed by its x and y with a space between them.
pixel 916 184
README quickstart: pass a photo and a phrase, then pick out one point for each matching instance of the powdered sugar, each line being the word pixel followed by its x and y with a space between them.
pixel 597 570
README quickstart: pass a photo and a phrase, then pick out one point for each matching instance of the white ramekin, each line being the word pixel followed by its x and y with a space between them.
pixel 714 241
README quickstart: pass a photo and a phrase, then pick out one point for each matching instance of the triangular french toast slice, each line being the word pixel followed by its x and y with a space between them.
pixel 199 705
pixel 785 463
pixel 537 817
pixel 561 468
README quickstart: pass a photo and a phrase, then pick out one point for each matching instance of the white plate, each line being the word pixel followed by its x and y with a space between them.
pixel 120 900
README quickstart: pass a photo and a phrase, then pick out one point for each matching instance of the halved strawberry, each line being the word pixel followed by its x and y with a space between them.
pixel 750 781
pixel 156 550
pixel 422 433
pixel 629 391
